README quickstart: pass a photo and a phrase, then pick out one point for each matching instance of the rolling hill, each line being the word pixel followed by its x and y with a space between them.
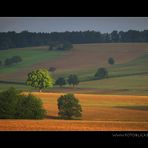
pixel 129 75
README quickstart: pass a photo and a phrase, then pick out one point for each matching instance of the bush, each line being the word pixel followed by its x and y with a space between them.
pixel 13 105
pixel 30 107
pixel 16 59
pixel 12 60
pixel 111 61
pixel 60 81
pixel 60 45
pixel 101 73
pixel 1 63
pixel 69 107
pixel 8 62
pixel 8 103
pixel 73 80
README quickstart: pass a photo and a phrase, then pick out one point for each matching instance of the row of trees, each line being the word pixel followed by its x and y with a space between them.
pixel 41 79
pixel 72 80
pixel 11 61
pixel 25 38
pixel 14 105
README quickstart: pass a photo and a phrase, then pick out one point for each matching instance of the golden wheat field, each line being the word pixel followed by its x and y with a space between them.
pixel 100 113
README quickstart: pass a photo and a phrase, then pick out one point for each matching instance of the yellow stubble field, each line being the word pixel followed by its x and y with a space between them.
pixel 100 113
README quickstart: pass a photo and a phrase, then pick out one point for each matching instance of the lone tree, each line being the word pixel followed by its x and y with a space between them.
pixel 0 63
pixel 73 80
pixel 40 79
pixel 52 69
pixel 60 81
pixel 69 106
pixel 111 61
pixel 101 73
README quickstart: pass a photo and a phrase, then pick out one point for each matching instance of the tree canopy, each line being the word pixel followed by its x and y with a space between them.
pixel 60 81
pixel 69 106
pixel 40 79
pixel 101 73
pixel 73 80
pixel 111 61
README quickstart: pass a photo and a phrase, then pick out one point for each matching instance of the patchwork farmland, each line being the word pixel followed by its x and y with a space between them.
pixel 117 103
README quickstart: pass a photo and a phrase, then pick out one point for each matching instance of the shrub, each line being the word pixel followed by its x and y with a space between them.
pixel 60 81
pixel 8 62
pixel 101 73
pixel 1 63
pixel 8 103
pixel 13 105
pixel 69 107
pixel 73 80
pixel 16 59
pixel 30 107
pixel 111 61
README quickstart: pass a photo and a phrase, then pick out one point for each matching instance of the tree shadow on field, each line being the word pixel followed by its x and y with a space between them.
pixel 143 108
pixel 53 117
pixel 60 118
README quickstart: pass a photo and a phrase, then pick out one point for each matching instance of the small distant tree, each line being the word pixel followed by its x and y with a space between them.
pixel 69 107
pixel 60 81
pixel 101 73
pixel 67 45
pixel 111 61
pixel 52 69
pixel 53 45
pixel 40 79
pixel 8 62
pixel 16 59
pixel 60 45
pixel 73 80
pixel 1 63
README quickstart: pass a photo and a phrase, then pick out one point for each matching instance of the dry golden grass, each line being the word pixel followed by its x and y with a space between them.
pixel 100 113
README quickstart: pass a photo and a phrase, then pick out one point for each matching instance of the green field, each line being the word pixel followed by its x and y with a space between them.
pixel 30 56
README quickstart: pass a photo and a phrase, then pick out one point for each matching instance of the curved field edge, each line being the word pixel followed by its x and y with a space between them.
pixel 100 113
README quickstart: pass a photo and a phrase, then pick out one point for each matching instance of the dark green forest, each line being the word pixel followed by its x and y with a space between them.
pixel 12 39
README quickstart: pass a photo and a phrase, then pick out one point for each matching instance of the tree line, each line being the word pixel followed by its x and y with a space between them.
pixel 12 39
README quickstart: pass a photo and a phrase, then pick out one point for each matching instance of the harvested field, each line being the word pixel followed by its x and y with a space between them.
pixel 100 113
